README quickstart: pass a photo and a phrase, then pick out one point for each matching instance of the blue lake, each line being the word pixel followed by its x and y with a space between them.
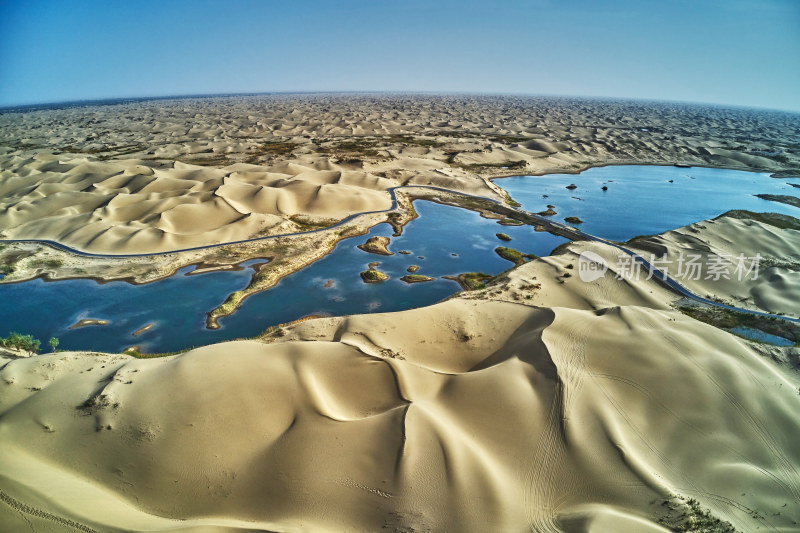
pixel 760 336
pixel 443 241
pixel 641 200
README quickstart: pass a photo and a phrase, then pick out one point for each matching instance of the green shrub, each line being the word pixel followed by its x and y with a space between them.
pixel 18 341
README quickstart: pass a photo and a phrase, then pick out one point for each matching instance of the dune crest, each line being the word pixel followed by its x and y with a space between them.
pixel 350 423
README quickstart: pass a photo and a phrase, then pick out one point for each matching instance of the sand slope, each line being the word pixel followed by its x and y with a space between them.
pixel 774 286
pixel 547 419
pixel 540 404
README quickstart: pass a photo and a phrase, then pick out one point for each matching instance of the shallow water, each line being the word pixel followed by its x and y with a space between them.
pixel 641 200
pixel 444 240
pixel 760 336
pixel 178 305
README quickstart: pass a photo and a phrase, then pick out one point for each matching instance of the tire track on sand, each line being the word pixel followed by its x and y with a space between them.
pixel 25 509
pixel 546 461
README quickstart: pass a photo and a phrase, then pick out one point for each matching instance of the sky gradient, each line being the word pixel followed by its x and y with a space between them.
pixel 731 52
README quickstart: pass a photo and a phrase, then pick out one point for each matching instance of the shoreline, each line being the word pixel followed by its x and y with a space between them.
pixel 402 203
pixel 291 191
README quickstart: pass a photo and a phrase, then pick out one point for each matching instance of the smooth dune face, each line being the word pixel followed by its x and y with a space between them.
pixel 773 284
pixel 493 416
pixel 542 403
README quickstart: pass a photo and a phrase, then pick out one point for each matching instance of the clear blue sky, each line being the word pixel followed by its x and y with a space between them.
pixel 737 52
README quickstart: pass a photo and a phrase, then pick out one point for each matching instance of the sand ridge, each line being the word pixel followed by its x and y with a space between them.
pixel 540 403
pixel 770 283
pixel 472 423
pixel 127 207
pixel 519 407
pixel 162 175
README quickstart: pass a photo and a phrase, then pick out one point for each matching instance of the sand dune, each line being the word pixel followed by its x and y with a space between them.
pixel 542 403
pixel 174 206
pixel 545 420
pixel 770 284
pixel 355 146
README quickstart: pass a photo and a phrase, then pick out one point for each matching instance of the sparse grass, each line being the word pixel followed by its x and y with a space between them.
pixel 476 204
pixel 459 134
pixel 112 150
pixel 370 146
pixel 135 353
pixel 727 319
pixel 510 201
pixel 305 224
pixel 229 306
pixel 275 148
pixel 361 146
pixel 46 263
pixel 417 141
pixel 215 160
pixel 451 157
pixel 509 138
pixel 503 237
pixel 373 276
pixel 511 222
pixel 25 146
pixel 573 220
pixel 510 165
pixel 782 198
pixel 789 173
pixel 780 158
pixel 225 254
pixel 773 219
pixel 510 254
pixel 415 278
pixel 693 518
pixel 476 280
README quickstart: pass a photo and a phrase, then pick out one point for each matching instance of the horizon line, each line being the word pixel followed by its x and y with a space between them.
pixel 116 100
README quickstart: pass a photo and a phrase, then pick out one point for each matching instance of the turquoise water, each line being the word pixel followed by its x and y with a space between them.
pixel 443 240
pixel 760 336
pixel 449 240
pixel 641 200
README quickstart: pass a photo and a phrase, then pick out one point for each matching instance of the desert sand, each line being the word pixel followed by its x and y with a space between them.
pixel 773 288
pixel 164 175
pixel 160 176
pixel 546 418
pixel 540 403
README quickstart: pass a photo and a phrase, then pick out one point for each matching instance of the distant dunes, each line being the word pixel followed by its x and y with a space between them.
pixel 165 174
pixel 127 206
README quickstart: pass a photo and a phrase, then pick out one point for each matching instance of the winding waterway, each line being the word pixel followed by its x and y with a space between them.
pixel 443 241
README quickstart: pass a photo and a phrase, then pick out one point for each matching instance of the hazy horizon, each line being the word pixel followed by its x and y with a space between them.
pixel 122 99
pixel 744 53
